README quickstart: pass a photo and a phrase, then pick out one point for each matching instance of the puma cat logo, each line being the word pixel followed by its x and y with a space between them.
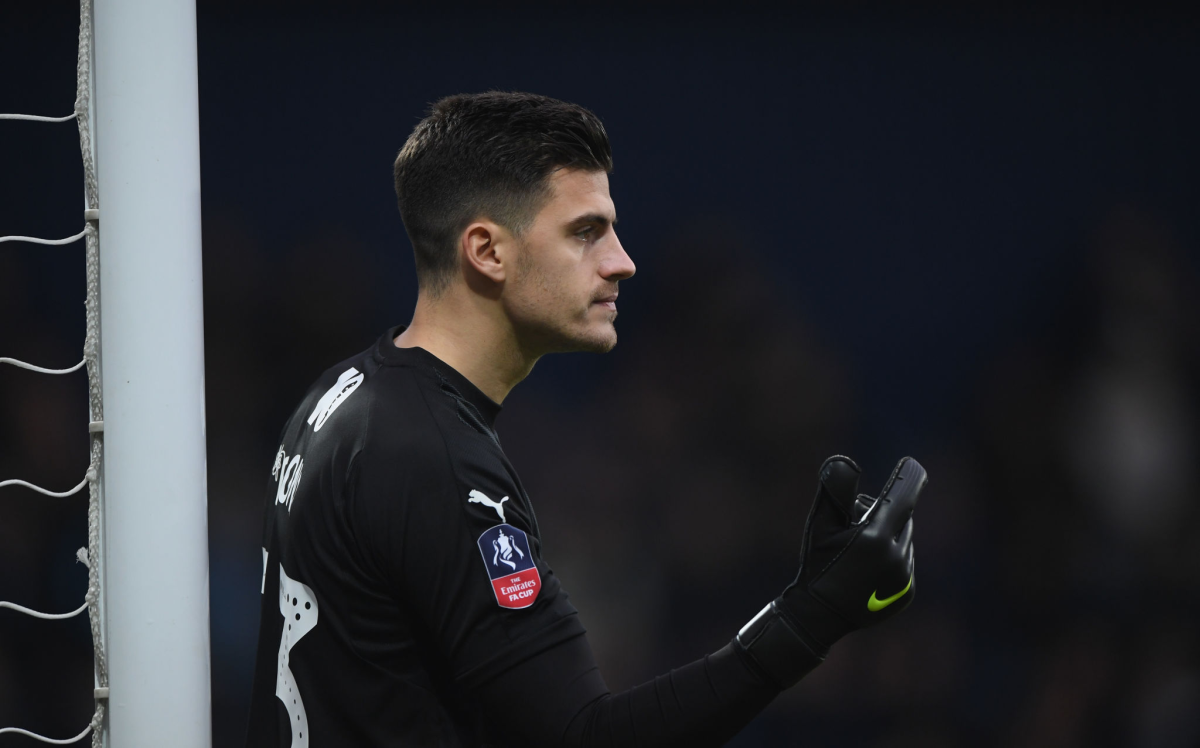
pixel 478 497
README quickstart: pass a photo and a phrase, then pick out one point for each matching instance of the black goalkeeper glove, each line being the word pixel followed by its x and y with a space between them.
pixel 856 569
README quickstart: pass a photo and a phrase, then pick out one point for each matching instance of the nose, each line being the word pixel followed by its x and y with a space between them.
pixel 617 266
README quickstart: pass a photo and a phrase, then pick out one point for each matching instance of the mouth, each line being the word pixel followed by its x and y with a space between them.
pixel 609 302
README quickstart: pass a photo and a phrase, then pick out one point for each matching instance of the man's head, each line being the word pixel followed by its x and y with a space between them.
pixel 507 193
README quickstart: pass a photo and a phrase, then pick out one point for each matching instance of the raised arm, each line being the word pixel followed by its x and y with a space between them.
pixel 856 570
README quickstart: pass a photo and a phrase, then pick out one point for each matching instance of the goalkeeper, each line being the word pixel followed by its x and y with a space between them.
pixel 406 601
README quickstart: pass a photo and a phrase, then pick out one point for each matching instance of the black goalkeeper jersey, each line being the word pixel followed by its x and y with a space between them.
pixel 405 599
pixel 402 562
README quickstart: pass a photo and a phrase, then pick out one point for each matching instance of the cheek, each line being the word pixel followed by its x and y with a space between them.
pixel 563 287
pixel 539 294
pixel 566 298
pixel 554 286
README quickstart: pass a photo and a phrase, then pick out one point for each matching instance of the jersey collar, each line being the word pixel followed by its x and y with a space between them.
pixel 387 353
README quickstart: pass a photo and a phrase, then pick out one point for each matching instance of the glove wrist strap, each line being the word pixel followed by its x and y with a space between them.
pixel 778 648
pixel 816 621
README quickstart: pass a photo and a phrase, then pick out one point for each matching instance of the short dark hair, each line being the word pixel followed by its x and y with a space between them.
pixel 487 155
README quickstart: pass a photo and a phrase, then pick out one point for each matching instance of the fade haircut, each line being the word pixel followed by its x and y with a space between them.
pixel 487 155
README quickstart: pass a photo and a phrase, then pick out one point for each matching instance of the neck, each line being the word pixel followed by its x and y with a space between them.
pixel 474 337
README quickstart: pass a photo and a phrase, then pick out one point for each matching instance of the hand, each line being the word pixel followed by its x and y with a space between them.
pixel 856 569
pixel 856 560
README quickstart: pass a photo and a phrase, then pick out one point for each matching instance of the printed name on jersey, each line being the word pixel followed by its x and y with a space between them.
pixel 509 563
pixel 280 461
pixel 347 383
pixel 287 472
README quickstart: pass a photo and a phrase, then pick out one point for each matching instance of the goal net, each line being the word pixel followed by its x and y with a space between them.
pixel 147 597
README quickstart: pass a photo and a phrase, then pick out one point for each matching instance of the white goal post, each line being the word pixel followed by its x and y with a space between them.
pixel 155 544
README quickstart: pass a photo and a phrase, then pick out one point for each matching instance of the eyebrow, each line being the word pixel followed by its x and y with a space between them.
pixel 597 218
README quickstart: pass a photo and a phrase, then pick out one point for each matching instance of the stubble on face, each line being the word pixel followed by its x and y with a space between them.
pixel 554 293
pixel 557 319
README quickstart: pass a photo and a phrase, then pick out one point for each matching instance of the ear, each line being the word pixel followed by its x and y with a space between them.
pixel 488 250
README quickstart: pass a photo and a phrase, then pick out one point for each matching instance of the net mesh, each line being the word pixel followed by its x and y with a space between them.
pixel 91 359
pixel 91 353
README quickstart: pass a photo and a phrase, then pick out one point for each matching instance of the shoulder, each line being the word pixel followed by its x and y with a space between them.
pixel 369 415
pixel 362 391
pixel 400 448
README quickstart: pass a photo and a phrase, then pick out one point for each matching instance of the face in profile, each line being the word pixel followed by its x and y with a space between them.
pixel 563 294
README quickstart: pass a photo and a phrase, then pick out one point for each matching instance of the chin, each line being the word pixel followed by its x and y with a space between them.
pixel 595 341
pixel 589 337
pixel 601 346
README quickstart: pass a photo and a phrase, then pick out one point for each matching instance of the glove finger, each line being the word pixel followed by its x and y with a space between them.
pixel 862 505
pixel 912 577
pixel 899 497
pixel 839 482
pixel 905 536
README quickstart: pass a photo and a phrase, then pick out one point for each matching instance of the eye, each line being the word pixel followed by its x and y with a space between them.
pixel 586 233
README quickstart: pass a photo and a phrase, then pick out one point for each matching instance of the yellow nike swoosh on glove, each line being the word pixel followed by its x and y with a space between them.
pixel 875 604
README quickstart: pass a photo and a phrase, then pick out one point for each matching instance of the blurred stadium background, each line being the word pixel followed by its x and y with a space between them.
pixel 967 236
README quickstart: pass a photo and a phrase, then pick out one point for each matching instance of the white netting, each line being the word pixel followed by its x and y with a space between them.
pixel 90 556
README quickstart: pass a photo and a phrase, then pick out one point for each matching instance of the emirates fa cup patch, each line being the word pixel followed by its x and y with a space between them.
pixel 515 578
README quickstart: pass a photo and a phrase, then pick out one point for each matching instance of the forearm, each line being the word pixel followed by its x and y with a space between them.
pixel 557 698
pixel 704 703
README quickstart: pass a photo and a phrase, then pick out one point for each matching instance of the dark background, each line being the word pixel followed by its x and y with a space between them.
pixel 969 236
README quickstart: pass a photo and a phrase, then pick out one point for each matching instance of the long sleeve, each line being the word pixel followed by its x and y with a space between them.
pixel 558 698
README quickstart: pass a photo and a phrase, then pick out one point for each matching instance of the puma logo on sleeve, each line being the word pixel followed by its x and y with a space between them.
pixel 478 497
